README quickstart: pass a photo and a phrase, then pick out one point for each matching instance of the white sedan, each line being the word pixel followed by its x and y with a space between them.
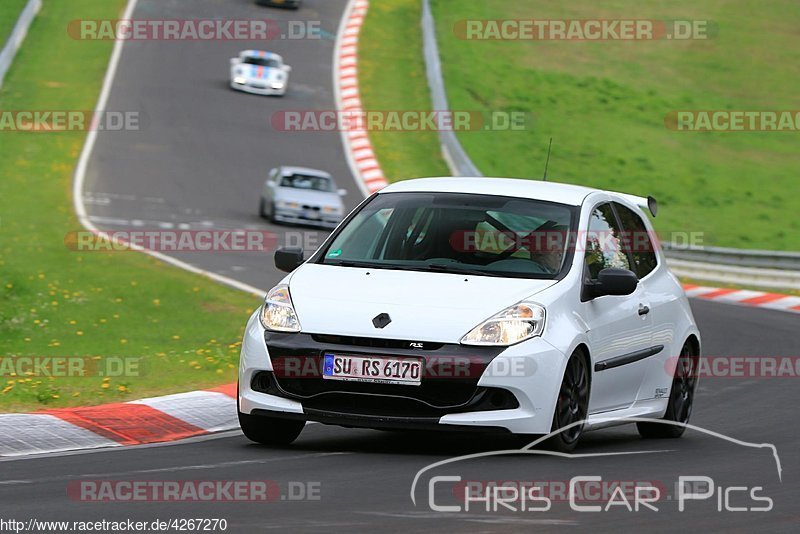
pixel 480 304
pixel 259 72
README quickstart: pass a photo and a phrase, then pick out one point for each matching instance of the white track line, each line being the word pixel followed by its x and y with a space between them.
pixel 57 436
pixel 83 162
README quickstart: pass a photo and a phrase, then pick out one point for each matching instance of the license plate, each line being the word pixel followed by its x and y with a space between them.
pixel 311 214
pixel 406 371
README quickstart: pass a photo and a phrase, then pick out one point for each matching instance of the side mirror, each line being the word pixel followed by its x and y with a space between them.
pixel 234 61
pixel 287 68
pixel 613 281
pixel 287 259
pixel 342 192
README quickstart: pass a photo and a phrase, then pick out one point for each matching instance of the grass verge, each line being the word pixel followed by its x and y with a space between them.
pixel 604 103
pixel 181 330
pixel 391 75
pixel 9 13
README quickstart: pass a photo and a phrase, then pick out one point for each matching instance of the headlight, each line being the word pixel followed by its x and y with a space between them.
pixel 277 85
pixel 241 80
pixel 330 209
pixel 512 325
pixel 277 313
pixel 289 205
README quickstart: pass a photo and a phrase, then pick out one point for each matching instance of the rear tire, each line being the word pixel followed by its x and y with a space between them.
pixel 572 405
pixel 270 430
pixel 681 398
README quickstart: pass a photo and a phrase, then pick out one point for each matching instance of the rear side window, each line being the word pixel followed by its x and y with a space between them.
pixel 604 248
pixel 637 240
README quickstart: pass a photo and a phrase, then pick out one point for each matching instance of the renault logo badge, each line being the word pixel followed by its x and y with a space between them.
pixel 381 320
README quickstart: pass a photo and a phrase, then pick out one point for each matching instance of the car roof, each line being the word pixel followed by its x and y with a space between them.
pixel 572 195
pixel 262 54
pixel 286 170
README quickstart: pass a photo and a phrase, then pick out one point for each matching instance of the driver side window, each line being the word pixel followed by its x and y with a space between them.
pixel 603 242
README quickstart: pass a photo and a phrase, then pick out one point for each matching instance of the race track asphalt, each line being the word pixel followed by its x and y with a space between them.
pixel 202 152
pixel 200 160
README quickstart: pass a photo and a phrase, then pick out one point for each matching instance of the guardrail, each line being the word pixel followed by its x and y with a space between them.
pixel 759 259
pixel 730 274
pixel 17 36
pixel 454 154
pixel 748 267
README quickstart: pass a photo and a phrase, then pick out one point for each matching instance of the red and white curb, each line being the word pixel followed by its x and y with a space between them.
pixel 198 413
pixel 358 148
pixel 153 420
pixel 744 297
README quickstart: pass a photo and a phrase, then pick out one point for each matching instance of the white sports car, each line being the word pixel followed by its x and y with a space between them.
pixel 259 72
pixel 475 303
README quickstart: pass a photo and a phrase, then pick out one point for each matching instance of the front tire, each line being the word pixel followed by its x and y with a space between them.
pixel 271 217
pixel 681 398
pixel 572 405
pixel 270 430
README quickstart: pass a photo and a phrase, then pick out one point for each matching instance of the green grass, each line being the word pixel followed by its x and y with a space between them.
pixel 61 303
pixel 9 13
pixel 604 104
pixel 392 78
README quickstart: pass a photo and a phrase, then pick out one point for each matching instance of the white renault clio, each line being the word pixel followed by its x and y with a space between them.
pixel 481 304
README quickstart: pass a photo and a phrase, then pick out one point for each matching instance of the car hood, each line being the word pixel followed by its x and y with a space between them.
pixel 307 196
pixel 438 307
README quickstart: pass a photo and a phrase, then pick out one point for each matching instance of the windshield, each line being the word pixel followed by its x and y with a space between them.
pixel 458 233
pixel 262 62
pixel 304 181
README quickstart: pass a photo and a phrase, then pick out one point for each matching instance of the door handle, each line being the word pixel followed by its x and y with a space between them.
pixel 643 310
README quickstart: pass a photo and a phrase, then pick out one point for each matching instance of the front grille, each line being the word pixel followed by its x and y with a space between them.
pixel 379 402
pixel 443 393
pixel 449 380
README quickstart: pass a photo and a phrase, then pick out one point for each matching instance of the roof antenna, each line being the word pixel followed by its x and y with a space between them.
pixel 547 161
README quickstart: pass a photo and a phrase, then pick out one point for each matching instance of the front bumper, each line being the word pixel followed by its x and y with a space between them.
pixel 300 217
pixel 480 388
pixel 257 90
pixel 294 4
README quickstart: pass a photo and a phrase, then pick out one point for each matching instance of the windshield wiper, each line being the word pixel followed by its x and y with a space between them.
pixel 455 269
pixel 439 267
pixel 371 265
